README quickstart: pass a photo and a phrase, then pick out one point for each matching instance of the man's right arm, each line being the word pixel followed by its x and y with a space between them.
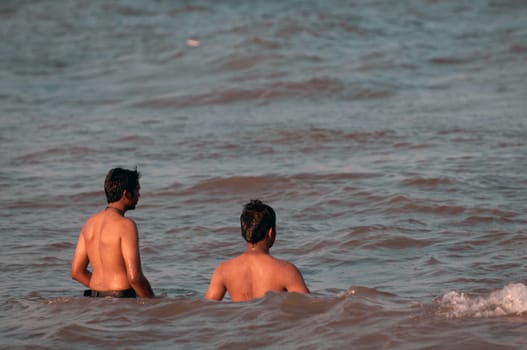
pixel 132 260
pixel 217 288
pixel 79 263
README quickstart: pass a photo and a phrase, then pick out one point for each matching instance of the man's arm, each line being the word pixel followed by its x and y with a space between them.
pixel 79 263
pixel 132 260
pixel 295 281
pixel 217 288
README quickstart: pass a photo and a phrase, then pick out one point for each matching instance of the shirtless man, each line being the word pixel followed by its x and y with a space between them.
pixel 109 242
pixel 255 272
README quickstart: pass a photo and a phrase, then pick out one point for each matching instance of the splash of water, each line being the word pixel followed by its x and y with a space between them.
pixel 511 300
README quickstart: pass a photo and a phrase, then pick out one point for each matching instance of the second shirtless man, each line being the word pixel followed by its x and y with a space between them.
pixel 255 272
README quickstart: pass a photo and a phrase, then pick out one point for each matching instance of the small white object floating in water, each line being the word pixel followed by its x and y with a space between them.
pixel 192 43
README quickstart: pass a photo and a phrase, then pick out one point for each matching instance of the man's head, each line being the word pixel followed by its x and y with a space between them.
pixel 256 220
pixel 122 181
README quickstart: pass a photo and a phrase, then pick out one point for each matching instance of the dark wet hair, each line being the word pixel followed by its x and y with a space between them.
pixel 256 220
pixel 119 180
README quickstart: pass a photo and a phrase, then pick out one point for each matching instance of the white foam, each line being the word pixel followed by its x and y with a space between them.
pixel 509 301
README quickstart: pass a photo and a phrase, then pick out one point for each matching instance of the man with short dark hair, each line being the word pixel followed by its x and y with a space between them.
pixel 255 272
pixel 109 242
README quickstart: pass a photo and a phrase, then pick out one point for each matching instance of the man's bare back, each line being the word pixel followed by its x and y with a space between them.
pixel 109 242
pixel 255 272
pixel 252 274
pixel 103 235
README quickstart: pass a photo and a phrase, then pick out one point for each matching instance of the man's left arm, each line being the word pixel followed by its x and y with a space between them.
pixel 132 260
pixel 295 281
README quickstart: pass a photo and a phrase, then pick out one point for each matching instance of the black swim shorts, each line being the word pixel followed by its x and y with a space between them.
pixel 129 293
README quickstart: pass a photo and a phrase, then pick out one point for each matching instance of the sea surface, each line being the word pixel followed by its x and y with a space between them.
pixel 389 136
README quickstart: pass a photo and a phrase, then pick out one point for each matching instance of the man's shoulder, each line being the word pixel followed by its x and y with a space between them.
pixel 231 262
pixel 92 220
pixel 101 215
pixel 266 260
pixel 271 262
pixel 285 266
pixel 231 265
pixel 117 224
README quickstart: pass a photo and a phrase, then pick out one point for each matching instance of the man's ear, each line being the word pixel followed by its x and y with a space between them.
pixel 271 235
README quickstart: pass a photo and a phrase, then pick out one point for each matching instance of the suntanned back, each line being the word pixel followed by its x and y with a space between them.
pixel 255 272
pixel 103 233
pixel 252 274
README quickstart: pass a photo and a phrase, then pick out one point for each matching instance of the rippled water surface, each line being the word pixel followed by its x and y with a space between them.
pixel 390 137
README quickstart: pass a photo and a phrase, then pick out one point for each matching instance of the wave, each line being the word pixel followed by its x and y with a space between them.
pixel 56 202
pixel 307 88
pixel 318 136
pixel 237 184
pixel 364 292
pixel 518 48
pixel 315 87
pixel 511 300
pixel 450 60
pixel 60 153
pixel 399 242
pixel 427 182
pixel 404 204
pixel 266 183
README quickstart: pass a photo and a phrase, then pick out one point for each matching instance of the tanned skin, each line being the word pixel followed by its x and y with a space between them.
pixel 254 273
pixel 109 242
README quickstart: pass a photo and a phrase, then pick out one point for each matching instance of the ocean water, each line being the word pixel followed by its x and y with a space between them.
pixel 389 136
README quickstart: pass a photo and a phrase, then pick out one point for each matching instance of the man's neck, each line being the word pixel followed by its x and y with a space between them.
pixel 261 247
pixel 116 207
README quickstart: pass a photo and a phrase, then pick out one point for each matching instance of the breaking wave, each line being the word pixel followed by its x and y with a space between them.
pixel 511 300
